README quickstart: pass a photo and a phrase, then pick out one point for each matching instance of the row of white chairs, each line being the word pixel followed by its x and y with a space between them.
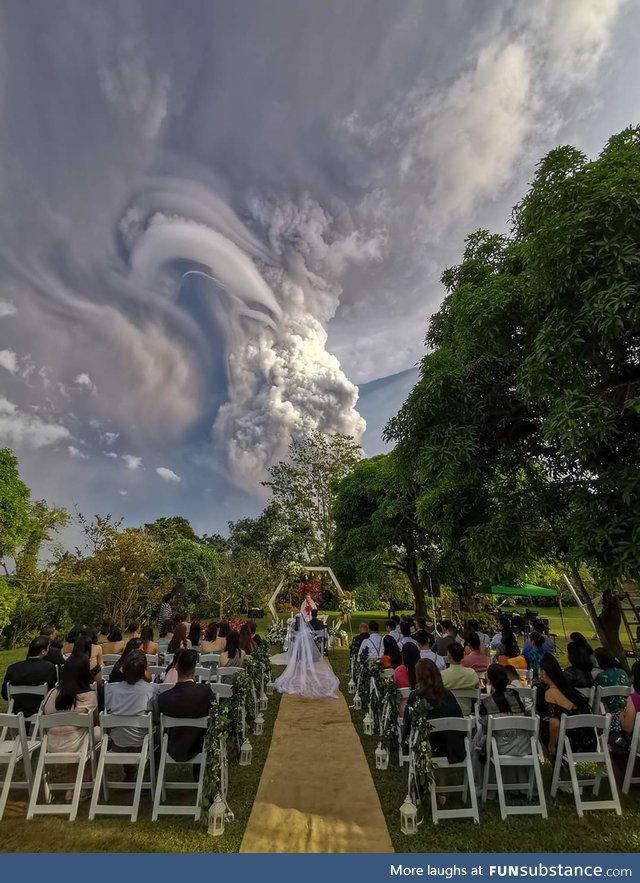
pixel 100 754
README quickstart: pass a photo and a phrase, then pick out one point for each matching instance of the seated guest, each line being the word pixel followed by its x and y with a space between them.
pixel 538 627
pixel 457 677
pixel 67 647
pixel 195 635
pixel 559 697
pixel 34 671
pixel 356 643
pixel 83 647
pixel 579 638
pixel 134 695
pixel 405 674
pixel 133 630
pixel 578 671
pixel 405 635
pixel 509 652
pixel 500 701
pixel 53 654
pixel 73 694
pixel 439 702
pixel 179 641
pixel 474 655
pixel 105 628
pixel 534 652
pixel 392 629
pixel 472 626
pixel 612 674
pixel 233 655
pixel 371 647
pixel 117 674
pixel 224 628
pixel 391 657
pixel 257 640
pixel 171 673
pixel 95 656
pixel 628 715
pixel 516 684
pixel 449 636
pixel 426 642
pixel 115 644
pixel 148 644
pixel 246 641
pixel 186 700
pixel 212 643
pixel 315 623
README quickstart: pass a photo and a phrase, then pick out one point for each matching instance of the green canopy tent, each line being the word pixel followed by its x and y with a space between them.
pixel 525 591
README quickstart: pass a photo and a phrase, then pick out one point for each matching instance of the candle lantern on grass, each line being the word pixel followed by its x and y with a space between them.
pixel 408 817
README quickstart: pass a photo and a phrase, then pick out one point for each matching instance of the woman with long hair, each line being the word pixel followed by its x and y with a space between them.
pixel 246 638
pixel 116 675
pixel 179 641
pixel 558 697
pixel 509 652
pixel 391 656
pixel 579 638
pixel 73 693
pixel 115 644
pixel 233 655
pixel 67 647
pixel 105 628
pixel 212 642
pixel 83 647
pixel 439 703
pixel 148 644
pixel 224 628
pixel 405 674
pixel 534 653
pixel 578 672
pixel 612 674
pixel 195 634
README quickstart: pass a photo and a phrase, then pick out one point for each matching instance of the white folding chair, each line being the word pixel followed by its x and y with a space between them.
pixel 210 659
pixel 403 756
pixel 110 658
pixel 588 693
pixel 14 748
pixel 202 674
pixel 227 672
pixel 497 761
pixel 222 691
pixel 47 759
pixel 455 725
pixel 157 671
pixel 176 809
pixel 106 672
pixel 525 674
pixel 566 755
pixel 152 658
pixel 527 696
pixel 600 704
pixel 168 659
pixel 111 756
pixel 387 673
pixel 634 755
pixel 40 690
pixel 472 693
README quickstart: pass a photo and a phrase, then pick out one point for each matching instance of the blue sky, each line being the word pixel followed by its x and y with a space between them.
pixel 224 224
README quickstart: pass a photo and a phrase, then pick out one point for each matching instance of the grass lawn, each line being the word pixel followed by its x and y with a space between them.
pixel 563 831
pixel 50 834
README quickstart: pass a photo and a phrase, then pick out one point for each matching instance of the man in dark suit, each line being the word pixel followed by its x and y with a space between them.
pixel 316 624
pixel 186 700
pixel 53 654
pixel 33 672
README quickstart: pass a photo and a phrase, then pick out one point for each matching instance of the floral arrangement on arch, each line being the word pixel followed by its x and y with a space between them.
pixel 236 624
pixel 313 588
pixel 347 606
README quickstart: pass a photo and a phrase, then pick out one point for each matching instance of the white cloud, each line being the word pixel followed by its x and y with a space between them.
pixel 111 454
pixel 110 438
pixel 18 428
pixel 167 474
pixel 76 452
pixel 84 380
pixel 123 493
pixel 131 461
pixel 9 361
pixel 6 308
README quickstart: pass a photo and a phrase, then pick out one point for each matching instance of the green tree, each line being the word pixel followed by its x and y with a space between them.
pixel 271 534
pixel 522 432
pixel 14 506
pixel 377 529
pixel 191 561
pixel 168 530
pixel 304 489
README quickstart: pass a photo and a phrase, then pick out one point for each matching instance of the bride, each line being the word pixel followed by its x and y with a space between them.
pixel 307 673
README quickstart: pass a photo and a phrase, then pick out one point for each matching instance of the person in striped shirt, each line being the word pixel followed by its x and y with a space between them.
pixel 165 613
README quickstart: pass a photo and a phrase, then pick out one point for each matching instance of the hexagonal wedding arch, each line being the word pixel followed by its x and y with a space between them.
pixel 272 600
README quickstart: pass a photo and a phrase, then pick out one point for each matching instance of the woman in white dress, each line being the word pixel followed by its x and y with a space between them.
pixel 308 604
pixel 307 673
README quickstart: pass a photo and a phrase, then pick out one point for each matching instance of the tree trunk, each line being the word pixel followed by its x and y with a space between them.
pixel 607 622
pixel 416 586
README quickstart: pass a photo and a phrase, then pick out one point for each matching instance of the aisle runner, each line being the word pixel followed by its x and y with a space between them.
pixel 316 793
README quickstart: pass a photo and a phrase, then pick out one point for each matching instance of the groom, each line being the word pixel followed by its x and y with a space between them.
pixel 316 624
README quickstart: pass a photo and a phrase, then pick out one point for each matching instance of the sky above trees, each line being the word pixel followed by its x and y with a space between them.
pixel 222 226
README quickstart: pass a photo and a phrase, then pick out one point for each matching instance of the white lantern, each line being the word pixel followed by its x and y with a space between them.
pixel 245 753
pixel 408 817
pixel 270 688
pixel 258 726
pixel 357 702
pixel 382 758
pixel 263 702
pixel 352 686
pixel 367 724
pixel 216 817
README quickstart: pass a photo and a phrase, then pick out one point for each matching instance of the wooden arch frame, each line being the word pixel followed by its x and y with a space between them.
pixel 340 592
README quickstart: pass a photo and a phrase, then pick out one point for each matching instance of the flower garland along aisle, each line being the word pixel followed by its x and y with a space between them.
pixel 242 708
pixel 258 666
pixel 422 775
pixel 390 699
pixel 215 771
pixel 276 633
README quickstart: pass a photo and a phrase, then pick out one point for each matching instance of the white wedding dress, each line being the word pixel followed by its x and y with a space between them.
pixel 307 673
